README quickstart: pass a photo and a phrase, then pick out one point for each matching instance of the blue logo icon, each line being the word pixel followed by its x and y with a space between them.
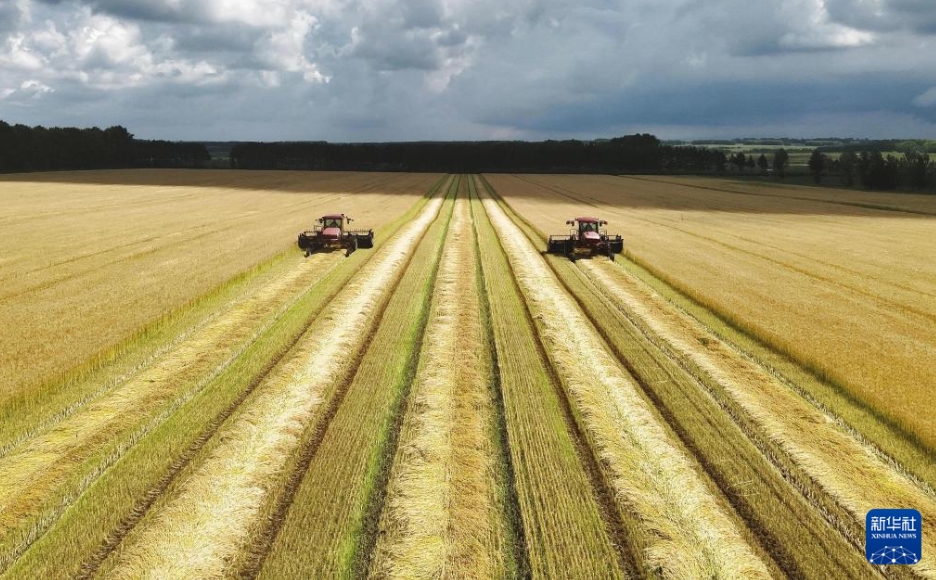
pixel 893 537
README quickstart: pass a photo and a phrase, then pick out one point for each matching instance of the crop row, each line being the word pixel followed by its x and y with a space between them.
pixel 847 294
pixel 116 494
pixel 720 397
pixel 444 513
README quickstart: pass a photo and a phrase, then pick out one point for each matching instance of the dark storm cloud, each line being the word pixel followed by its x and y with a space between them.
pixel 723 104
pixel 133 9
pixel 440 69
pixel 10 16
pixel 885 15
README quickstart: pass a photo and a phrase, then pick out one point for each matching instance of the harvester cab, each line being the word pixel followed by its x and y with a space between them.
pixel 586 238
pixel 332 232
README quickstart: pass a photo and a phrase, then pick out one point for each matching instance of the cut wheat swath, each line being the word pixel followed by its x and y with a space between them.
pixel 441 519
pixel 558 511
pixel 686 534
pixel 77 543
pixel 34 474
pixel 852 473
pixel 202 529
pixel 849 294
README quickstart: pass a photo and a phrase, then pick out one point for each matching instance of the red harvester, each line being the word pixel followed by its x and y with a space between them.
pixel 333 232
pixel 586 239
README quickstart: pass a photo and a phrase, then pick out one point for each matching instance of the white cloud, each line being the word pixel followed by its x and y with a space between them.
pixel 35 89
pixel 19 55
pixel 28 90
pixel 813 29
pixel 260 13
pixel 927 99
pixel 284 48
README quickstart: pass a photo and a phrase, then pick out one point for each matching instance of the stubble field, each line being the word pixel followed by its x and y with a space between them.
pixel 184 395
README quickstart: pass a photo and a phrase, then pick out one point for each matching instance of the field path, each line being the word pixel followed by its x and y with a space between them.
pixel 220 499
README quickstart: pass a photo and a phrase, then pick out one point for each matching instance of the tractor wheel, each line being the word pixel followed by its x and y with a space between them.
pixel 352 245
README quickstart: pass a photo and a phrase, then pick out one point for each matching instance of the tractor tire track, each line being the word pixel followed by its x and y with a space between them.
pixel 39 465
pixel 517 556
pixel 695 413
pixel 619 528
pixel 220 316
pixel 536 557
pixel 683 409
pixel 243 393
pixel 908 437
pixel 137 390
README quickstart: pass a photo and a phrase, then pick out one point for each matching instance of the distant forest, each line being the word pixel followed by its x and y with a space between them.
pixel 633 153
pixel 860 162
pixel 25 148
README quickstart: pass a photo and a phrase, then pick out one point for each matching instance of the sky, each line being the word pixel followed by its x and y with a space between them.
pixel 393 70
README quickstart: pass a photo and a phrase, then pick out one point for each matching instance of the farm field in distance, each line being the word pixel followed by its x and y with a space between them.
pixel 184 394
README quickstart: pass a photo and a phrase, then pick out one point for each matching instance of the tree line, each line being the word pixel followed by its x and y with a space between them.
pixel 632 153
pixel 872 169
pixel 25 148
pixel 779 164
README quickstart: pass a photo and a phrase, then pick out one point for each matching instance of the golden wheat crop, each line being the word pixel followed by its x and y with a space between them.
pixel 564 531
pixel 110 492
pixel 849 292
pixel 91 257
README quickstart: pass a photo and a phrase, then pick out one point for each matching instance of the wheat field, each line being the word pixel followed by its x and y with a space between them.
pixel 185 394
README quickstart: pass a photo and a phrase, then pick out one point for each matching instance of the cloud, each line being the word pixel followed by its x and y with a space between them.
pixel 28 90
pixel 927 99
pixel 885 15
pixel 13 15
pixel 438 69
